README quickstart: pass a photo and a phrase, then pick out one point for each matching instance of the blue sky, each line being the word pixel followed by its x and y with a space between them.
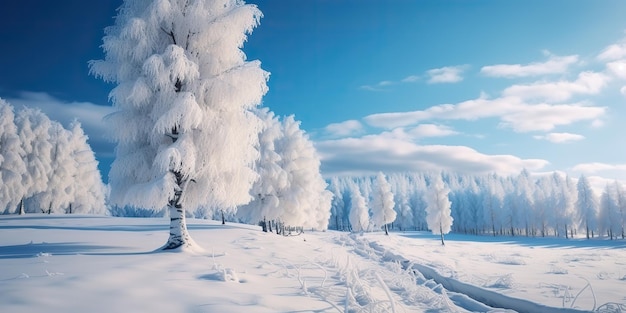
pixel 470 86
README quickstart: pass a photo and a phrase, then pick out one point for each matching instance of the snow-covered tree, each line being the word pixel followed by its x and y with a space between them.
pixel 493 196
pixel 620 197
pixel 290 188
pixel 12 165
pixel 563 193
pixel 524 202
pixel 88 189
pixel 382 203
pixel 305 202
pixel 61 176
pixel 544 217
pixel 438 213
pixel 273 179
pixel 185 134
pixel 404 218
pixel 586 206
pixel 337 206
pixel 417 200
pixel 609 215
pixel 34 133
pixel 359 216
pixel 467 206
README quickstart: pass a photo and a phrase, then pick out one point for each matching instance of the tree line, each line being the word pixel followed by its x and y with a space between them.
pixel 521 205
pixel 45 167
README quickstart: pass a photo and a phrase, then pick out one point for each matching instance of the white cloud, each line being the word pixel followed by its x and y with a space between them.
pixel 560 137
pixel 380 86
pixel 371 88
pixel 343 129
pixel 587 83
pixel 597 123
pixel 597 167
pixel 448 74
pixel 513 112
pixel 617 68
pixel 600 174
pixel 431 130
pixel 613 52
pixel 388 152
pixel 623 91
pixel 554 65
pixel 88 114
pixel 545 117
pixel 410 79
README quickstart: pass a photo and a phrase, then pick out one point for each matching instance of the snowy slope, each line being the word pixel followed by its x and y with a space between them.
pixel 64 263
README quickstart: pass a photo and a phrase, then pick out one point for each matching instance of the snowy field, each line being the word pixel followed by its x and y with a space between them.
pixel 68 263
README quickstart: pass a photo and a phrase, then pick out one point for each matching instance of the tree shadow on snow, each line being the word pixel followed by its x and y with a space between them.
pixel 34 250
pixel 544 242
pixel 129 228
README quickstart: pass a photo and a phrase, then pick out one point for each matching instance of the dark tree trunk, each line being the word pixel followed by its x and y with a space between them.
pixel 21 207
pixel 441 232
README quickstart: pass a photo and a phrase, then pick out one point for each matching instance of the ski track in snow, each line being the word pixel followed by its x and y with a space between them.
pixel 466 295
pixel 464 290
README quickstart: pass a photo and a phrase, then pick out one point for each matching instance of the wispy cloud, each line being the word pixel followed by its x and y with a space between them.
pixel 410 79
pixel 88 114
pixel 380 86
pixel 513 112
pixel 587 83
pixel 447 74
pixel 597 167
pixel 554 65
pixel 432 130
pixel 560 137
pixel 343 129
pixel 613 52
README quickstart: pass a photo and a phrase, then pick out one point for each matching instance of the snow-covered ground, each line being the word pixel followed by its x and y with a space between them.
pixel 68 263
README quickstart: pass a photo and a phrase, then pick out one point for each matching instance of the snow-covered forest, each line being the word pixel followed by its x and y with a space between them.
pixel 523 205
pixel 45 167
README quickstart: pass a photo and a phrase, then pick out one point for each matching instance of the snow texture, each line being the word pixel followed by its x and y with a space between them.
pixel 86 263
